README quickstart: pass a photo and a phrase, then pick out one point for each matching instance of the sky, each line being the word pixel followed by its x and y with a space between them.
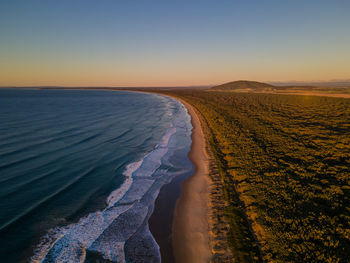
pixel 172 43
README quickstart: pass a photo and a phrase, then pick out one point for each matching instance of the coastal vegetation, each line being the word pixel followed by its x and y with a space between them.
pixel 284 164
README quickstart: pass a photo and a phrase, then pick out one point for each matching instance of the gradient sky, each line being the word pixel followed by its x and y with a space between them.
pixel 155 43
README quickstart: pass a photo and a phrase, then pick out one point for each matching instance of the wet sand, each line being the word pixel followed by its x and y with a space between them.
pixel 161 221
pixel 191 233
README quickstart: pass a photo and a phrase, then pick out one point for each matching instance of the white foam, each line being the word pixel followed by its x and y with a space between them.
pixel 145 168
pixel 75 238
pixel 117 194
pixel 167 136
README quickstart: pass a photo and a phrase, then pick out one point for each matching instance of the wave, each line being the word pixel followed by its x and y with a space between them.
pixel 115 232
pixel 25 184
pixel 15 138
pixel 47 198
pixel 56 154
pixel 117 194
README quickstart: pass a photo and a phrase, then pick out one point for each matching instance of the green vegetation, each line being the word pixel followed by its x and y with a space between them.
pixel 285 166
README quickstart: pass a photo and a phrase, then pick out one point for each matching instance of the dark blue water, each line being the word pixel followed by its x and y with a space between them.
pixel 82 169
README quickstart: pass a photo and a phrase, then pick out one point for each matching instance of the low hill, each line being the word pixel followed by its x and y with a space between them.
pixel 247 86
pixel 244 85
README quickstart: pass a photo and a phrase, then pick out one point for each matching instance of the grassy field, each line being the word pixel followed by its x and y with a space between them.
pixel 284 161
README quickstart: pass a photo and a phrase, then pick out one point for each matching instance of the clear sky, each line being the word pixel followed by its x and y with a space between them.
pixel 146 42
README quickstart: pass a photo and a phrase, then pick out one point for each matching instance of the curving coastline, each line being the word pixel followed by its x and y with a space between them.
pixel 191 231
pixel 191 228
pixel 192 237
pixel 200 228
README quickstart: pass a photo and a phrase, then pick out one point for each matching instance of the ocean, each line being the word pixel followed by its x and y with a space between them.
pixel 80 171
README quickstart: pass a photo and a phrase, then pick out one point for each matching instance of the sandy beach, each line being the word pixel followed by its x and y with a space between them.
pixel 191 236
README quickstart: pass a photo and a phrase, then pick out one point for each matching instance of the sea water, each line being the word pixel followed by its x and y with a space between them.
pixel 80 171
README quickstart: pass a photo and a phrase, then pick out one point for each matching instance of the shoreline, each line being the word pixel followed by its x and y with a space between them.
pixel 191 226
pixel 191 222
pixel 204 239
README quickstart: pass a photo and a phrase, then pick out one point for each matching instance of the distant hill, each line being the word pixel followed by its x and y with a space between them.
pixel 254 86
pixel 245 85
pixel 260 87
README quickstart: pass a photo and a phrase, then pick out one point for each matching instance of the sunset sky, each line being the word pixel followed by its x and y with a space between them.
pixel 171 43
